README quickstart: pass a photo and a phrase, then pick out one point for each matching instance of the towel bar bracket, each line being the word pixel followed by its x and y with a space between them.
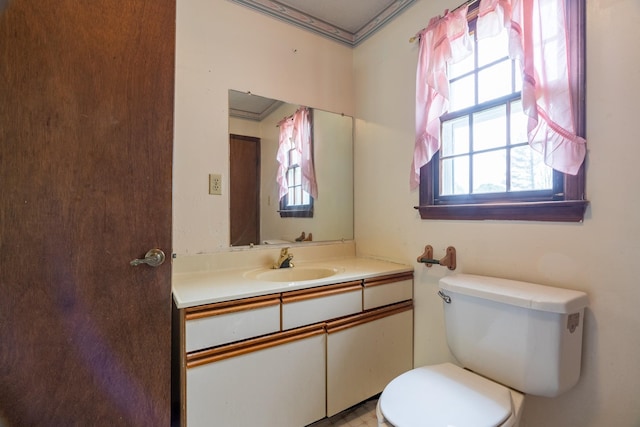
pixel 449 260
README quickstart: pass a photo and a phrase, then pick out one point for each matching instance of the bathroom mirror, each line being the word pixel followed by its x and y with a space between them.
pixel 254 203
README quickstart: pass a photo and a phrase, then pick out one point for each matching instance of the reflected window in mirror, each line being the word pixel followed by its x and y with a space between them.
pixel 297 202
pixel 296 174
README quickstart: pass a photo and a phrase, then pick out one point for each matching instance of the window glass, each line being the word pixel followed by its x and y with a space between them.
pixel 489 172
pixel 491 49
pixel 528 171
pixel 490 128
pixel 455 136
pixel 455 176
pixel 462 93
pixel 495 81
pixel 518 126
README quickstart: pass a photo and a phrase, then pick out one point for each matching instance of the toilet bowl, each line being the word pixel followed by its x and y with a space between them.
pixel 446 395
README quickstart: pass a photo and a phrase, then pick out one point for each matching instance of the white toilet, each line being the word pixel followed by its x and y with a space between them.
pixel 511 337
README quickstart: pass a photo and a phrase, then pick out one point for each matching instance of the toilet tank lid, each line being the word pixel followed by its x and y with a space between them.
pixel 514 292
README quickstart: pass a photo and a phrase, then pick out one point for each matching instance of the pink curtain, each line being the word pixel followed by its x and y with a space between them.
pixel 445 39
pixel 295 132
pixel 285 144
pixel 539 40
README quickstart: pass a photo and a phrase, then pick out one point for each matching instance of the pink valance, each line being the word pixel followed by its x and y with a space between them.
pixel 538 39
pixel 295 133
pixel 445 39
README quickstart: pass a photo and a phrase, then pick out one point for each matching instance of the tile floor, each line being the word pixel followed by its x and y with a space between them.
pixel 362 415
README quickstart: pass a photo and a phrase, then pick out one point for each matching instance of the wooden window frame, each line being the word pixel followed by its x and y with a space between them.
pixel 566 203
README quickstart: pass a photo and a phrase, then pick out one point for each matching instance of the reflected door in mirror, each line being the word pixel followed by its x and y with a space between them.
pixel 244 189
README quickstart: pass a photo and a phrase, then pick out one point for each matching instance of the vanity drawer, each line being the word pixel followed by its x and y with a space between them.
pixel 314 305
pixel 216 324
pixel 387 290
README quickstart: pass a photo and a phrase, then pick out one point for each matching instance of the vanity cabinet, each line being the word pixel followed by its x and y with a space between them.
pixel 292 358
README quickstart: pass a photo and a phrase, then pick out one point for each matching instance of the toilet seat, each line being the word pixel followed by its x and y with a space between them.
pixel 447 395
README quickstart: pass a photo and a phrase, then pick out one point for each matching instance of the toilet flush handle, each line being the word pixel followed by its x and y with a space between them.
pixel 446 298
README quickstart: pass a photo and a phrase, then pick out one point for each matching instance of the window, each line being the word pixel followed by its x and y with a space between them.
pixel 485 168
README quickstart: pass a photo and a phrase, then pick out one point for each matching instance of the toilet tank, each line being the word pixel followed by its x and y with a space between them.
pixel 523 335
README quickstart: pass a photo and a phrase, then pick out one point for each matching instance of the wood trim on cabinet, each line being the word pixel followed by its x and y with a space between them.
pixel 310 293
pixel 383 280
pixel 251 345
pixel 226 307
pixel 368 316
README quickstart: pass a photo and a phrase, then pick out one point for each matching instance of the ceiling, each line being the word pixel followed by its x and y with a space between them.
pixel 251 107
pixel 346 21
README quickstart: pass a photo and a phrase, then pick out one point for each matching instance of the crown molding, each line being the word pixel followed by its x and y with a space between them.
pixel 293 16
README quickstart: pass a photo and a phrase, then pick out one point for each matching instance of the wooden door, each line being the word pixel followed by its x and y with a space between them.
pixel 86 129
pixel 244 188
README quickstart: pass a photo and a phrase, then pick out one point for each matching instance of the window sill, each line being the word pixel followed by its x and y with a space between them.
pixel 559 211
pixel 295 213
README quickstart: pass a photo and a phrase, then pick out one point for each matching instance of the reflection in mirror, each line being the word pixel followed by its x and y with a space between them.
pixel 254 202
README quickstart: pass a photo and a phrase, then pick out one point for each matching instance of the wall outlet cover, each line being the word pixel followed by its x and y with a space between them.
pixel 215 184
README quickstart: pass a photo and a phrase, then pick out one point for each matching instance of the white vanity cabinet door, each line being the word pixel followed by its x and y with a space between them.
pixel 222 323
pixel 387 290
pixel 314 305
pixel 267 383
pixel 365 352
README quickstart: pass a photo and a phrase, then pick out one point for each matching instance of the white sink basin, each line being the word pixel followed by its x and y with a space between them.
pixel 293 274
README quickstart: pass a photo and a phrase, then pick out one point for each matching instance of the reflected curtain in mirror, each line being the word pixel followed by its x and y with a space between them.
pixel 296 175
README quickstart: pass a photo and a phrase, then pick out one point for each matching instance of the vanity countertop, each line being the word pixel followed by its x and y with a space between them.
pixel 205 287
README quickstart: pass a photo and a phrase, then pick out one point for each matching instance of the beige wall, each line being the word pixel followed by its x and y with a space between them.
pixel 221 45
pixel 599 256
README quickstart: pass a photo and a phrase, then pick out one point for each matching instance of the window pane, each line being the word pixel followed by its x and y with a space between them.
pixel 490 172
pixel 298 176
pixel 528 171
pixel 463 67
pixel 298 195
pixel 294 157
pixel 518 123
pixel 490 128
pixel 455 176
pixel 462 93
pixel 494 82
pixel 291 197
pixel 455 136
pixel 491 49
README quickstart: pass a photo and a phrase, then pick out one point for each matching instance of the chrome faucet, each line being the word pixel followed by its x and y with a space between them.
pixel 284 261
